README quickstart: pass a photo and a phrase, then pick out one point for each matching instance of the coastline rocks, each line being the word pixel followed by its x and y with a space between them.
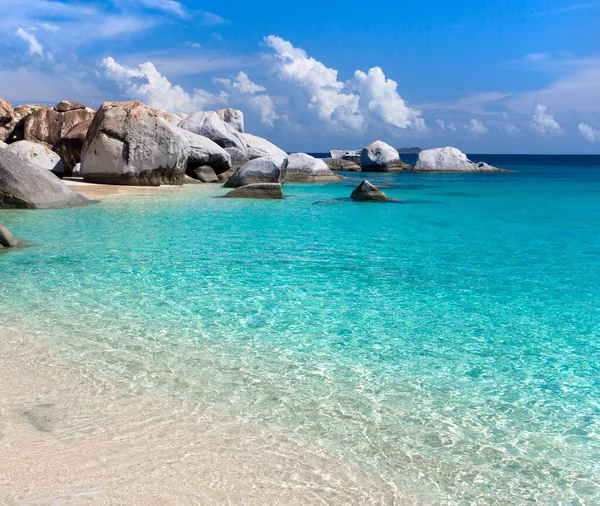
pixel 3 144
pixel 25 185
pixel 129 143
pixel 6 238
pixel 367 192
pixel 341 164
pixel 37 154
pixel 271 191
pixel 304 168
pixel 205 153
pixel 233 118
pixel 204 174
pixel 237 158
pixel 6 119
pixel 259 170
pixel 350 155
pixel 70 145
pixel 380 157
pixel 257 147
pixel 449 159
pixel 208 124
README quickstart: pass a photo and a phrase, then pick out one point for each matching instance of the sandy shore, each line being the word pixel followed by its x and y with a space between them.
pixel 97 191
pixel 68 435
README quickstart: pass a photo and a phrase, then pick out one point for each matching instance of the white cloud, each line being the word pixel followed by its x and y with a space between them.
pixel 165 5
pixel 543 122
pixel 450 127
pixel 146 84
pixel 476 127
pixel 368 99
pixel 34 46
pixel 512 129
pixel 589 132
pixel 241 83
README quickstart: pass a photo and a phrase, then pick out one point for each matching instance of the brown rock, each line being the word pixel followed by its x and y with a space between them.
pixel 70 145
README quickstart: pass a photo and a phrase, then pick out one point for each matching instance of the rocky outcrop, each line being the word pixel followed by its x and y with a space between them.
pixel 70 145
pixel 257 147
pixel 6 238
pixel 233 118
pixel 209 124
pixel 204 174
pixel 237 158
pixel 341 165
pixel 25 185
pixel 6 119
pixel 259 170
pixel 205 153
pixel 3 144
pixel 381 157
pixel 307 169
pixel 271 191
pixel 37 154
pixel 350 155
pixel 129 143
pixel 449 159
pixel 367 192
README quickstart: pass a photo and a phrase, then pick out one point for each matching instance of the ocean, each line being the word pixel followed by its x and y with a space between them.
pixel 448 342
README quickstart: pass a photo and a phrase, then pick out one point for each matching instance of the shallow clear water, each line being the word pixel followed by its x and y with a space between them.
pixel 450 342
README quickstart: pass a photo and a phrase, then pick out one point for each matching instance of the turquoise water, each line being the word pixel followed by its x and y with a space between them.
pixel 450 342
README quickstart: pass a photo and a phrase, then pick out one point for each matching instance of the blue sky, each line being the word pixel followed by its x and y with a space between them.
pixel 484 76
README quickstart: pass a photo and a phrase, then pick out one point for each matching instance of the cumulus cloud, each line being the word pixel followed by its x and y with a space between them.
pixel 241 83
pixel 367 99
pixel 476 127
pixel 543 122
pixel 148 85
pixel 450 127
pixel 589 133
pixel 34 46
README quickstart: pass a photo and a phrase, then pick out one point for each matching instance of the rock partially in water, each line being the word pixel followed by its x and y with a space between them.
pixel 341 164
pixel 259 170
pixel 306 169
pixel 204 174
pixel 449 159
pixel 270 191
pixel 7 240
pixel 381 157
pixel 367 192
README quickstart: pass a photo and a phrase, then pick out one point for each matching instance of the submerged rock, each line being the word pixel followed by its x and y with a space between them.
pixel 6 238
pixel 26 185
pixel 305 168
pixel 341 164
pixel 37 154
pixel 129 143
pixel 381 157
pixel 449 159
pixel 366 192
pixel 259 170
pixel 272 191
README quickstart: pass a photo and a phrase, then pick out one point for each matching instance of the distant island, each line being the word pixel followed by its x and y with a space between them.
pixel 409 151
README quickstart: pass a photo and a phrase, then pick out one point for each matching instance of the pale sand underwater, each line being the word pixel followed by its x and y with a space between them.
pixel 70 436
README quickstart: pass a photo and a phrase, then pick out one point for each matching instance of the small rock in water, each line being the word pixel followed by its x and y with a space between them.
pixel 366 192
pixel 272 191
pixel 6 238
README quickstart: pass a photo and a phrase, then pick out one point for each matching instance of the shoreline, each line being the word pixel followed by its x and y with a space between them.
pixel 96 190
pixel 69 434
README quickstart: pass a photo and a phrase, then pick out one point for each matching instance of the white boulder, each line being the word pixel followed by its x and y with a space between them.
pixel 232 117
pixel 209 124
pixel 380 157
pixel 37 154
pixel 257 147
pixel 204 152
pixel 259 170
pixel 305 168
pixel 449 159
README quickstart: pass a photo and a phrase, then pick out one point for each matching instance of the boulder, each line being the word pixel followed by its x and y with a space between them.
pixel 6 238
pixel 224 177
pixel 204 174
pixel 381 157
pixel 129 143
pixel 237 158
pixel 6 119
pixel 3 144
pixel 70 145
pixel 304 168
pixel 351 155
pixel 204 152
pixel 257 147
pixel 341 164
pixel 367 192
pixel 271 191
pixel 449 159
pixel 232 117
pixel 173 119
pixel 37 154
pixel 259 170
pixel 208 124
pixel 26 185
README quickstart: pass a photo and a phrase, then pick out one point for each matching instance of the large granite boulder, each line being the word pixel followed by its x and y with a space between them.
pixel 238 158
pixel 25 185
pixel 3 144
pixel 307 169
pixel 449 159
pixel 6 238
pixel 205 153
pixel 381 157
pixel 70 145
pixel 129 143
pixel 257 147
pixel 367 192
pixel 37 154
pixel 259 170
pixel 342 164
pixel 271 191
pixel 203 174
pixel 6 119
pixel 209 124
pixel 350 155
pixel 233 118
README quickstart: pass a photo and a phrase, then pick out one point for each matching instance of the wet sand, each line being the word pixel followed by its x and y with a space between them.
pixel 97 191
pixel 68 435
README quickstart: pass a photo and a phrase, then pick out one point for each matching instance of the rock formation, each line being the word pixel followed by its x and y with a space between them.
pixel 257 147
pixel 129 143
pixel 70 145
pixel 37 154
pixel 6 119
pixel 259 170
pixel 209 124
pixel 6 238
pixel 341 164
pixel 232 117
pixel 25 185
pixel 381 157
pixel 304 168
pixel 449 159
pixel 272 191
pixel 205 153
pixel 367 192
